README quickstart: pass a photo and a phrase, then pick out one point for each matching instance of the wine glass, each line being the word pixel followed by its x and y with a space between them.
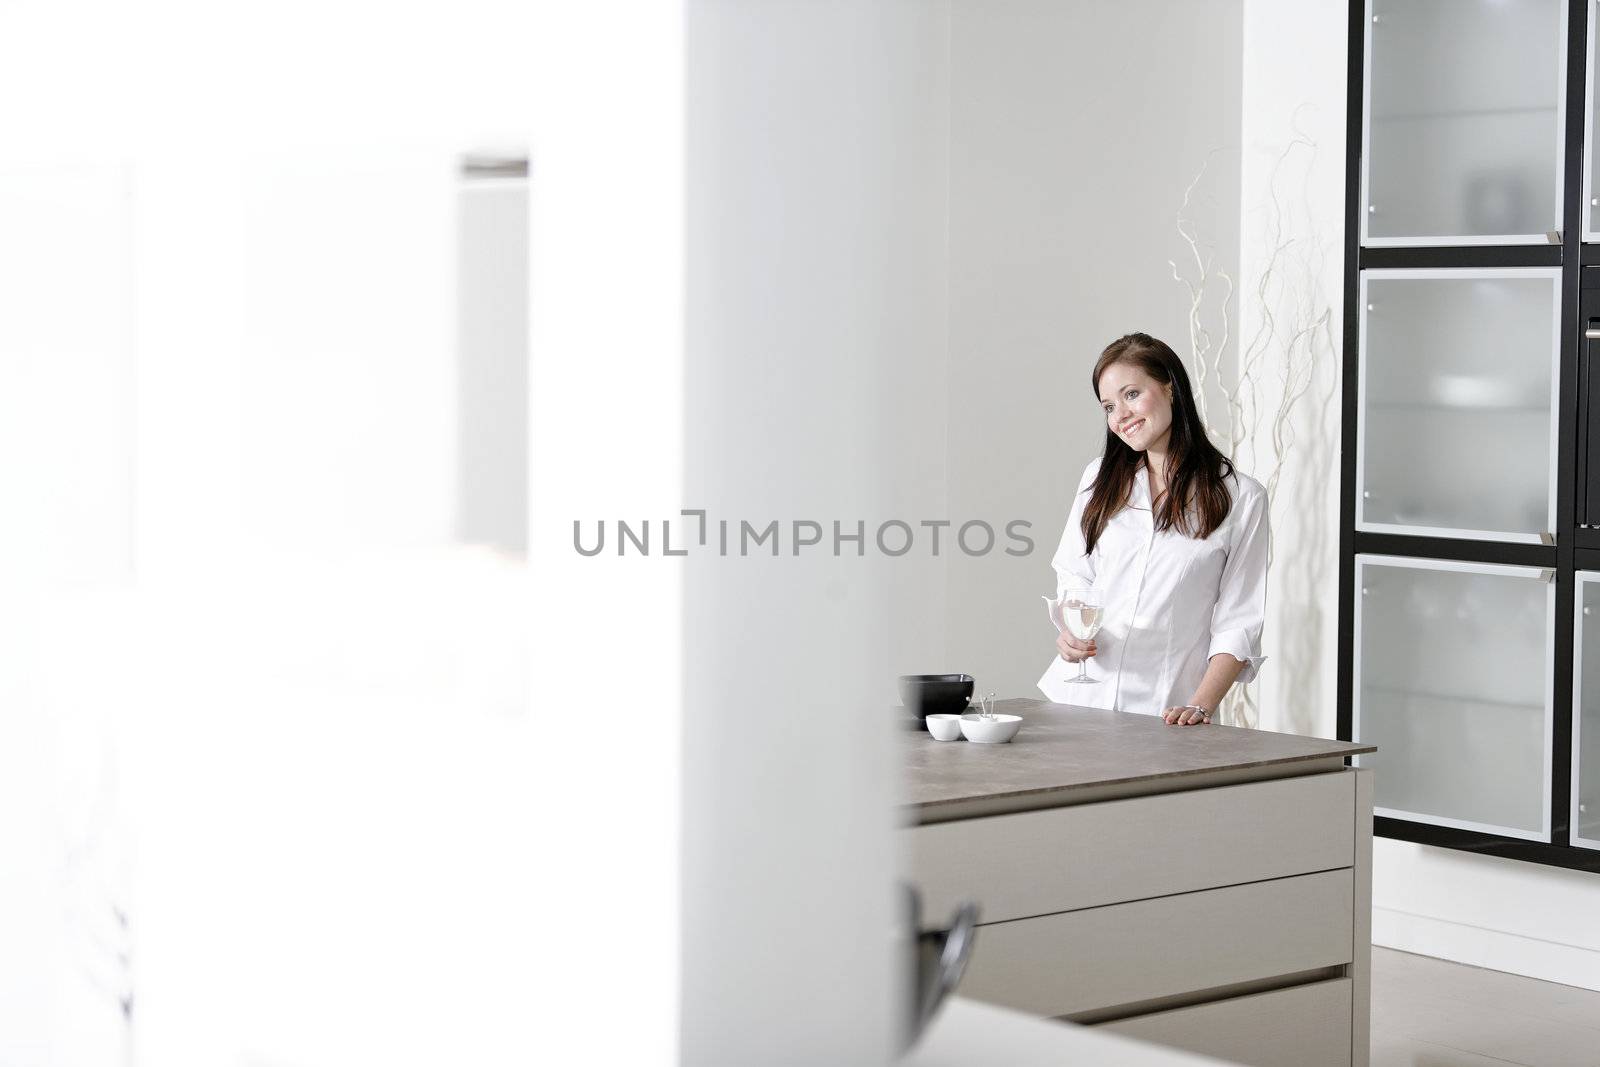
pixel 1082 612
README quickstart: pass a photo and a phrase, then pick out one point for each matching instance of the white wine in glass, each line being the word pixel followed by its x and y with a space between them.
pixel 1082 612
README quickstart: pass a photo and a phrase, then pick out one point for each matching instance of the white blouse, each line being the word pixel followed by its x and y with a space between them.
pixel 1171 601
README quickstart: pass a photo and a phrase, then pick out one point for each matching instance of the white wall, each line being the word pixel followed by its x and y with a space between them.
pixel 915 429
pixel 1074 130
pixel 1292 190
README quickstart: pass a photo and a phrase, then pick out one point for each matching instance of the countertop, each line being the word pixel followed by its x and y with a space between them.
pixel 1067 755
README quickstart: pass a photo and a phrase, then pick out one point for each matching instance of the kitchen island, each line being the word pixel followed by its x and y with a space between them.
pixel 1204 887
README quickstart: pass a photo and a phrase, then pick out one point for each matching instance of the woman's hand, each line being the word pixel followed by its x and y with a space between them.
pixel 1188 715
pixel 1072 650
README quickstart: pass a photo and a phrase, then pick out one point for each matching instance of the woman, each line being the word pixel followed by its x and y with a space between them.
pixel 1172 541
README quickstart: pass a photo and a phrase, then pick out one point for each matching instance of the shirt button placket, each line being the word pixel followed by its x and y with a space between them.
pixel 1138 596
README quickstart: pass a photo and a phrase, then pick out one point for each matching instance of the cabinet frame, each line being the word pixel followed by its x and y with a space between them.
pixel 1572 545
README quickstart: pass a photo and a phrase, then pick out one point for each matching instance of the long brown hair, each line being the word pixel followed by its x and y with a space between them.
pixel 1197 499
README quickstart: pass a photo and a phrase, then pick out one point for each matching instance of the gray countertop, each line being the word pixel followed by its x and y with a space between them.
pixel 1070 755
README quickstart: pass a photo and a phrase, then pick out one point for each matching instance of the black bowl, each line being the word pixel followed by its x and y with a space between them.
pixel 935 694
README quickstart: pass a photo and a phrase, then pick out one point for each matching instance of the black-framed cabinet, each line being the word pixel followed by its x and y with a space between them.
pixel 1470 539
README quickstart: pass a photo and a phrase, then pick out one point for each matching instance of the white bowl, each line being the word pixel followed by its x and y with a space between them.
pixel 944 727
pixel 994 731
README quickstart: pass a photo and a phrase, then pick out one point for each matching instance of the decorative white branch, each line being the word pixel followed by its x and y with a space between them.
pixel 1205 354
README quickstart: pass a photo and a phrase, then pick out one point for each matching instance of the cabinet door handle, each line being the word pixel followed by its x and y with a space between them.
pixel 1592 335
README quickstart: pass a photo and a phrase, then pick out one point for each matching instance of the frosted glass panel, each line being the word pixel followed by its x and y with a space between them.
pixel 1463 129
pixel 1586 716
pixel 1456 409
pixel 1452 686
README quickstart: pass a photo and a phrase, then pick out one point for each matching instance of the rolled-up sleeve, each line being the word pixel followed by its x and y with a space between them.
pixel 1240 614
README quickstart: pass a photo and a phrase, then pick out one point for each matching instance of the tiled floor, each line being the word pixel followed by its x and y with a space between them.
pixel 1431 1013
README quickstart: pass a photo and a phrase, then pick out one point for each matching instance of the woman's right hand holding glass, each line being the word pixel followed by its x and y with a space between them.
pixel 1081 614
pixel 1072 650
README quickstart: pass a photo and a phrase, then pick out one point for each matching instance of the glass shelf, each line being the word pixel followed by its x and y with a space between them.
pixel 1460 113
pixel 1542 411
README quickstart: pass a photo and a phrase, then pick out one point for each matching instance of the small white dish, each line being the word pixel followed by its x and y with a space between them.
pixel 944 727
pixel 995 731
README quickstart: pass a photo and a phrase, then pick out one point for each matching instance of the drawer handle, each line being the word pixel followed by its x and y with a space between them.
pixel 950 949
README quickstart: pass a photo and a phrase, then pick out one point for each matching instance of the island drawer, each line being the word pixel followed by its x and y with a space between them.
pixel 1087 855
pixel 1123 954
pixel 1306 1025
